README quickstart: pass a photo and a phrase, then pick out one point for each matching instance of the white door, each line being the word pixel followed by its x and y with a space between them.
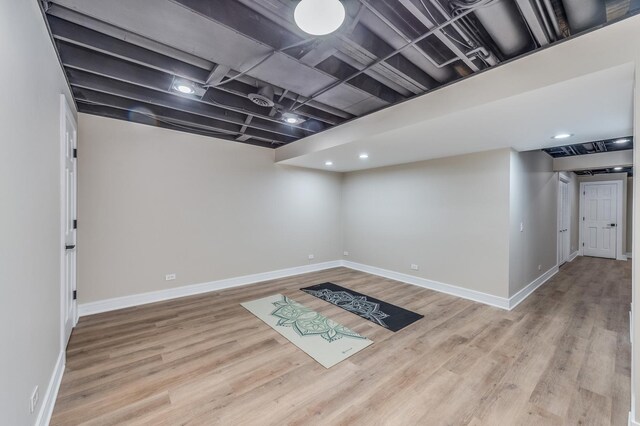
pixel 600 220
pixel 69 187
pixel 564 238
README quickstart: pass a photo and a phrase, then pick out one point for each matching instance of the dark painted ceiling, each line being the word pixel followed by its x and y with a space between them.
pixel 617 144
pixel 627 170
pixel 124 61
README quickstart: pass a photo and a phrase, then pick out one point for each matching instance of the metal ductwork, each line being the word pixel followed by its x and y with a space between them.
pixel 263 98
pixel 585 14
pixel 504 23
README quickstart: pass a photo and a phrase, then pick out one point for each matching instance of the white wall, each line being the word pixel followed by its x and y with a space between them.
pixel 449 216
pixel 30 213
pixel 458 218
pixel 534 204
pixel 154 201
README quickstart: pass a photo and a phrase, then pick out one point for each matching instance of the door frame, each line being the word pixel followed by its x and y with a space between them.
pixel 620 255
pixel 562 178
pixel 65 113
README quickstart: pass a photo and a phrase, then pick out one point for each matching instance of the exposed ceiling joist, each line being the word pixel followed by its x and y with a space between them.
pixel 103 99
pixel 95 63
pixel 228 50
pixel 85 80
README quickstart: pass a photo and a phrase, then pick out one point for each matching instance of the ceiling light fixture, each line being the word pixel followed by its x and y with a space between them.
pixel 364 156
pixel 185 88
pixel 617 168
pixel 328 163
pixel 291 118
pixel 563 135
pixel 319 17
pixel 621 141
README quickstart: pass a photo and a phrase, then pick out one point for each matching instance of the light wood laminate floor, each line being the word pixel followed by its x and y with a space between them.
pixel 561 357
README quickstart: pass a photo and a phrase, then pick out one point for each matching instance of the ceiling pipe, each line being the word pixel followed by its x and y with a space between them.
pixel 553 18
pixel 545 20
pixel 469 38
pixel 532 17
pixel 427 23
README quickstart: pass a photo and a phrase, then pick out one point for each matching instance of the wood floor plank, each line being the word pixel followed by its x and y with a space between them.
pixel 562 357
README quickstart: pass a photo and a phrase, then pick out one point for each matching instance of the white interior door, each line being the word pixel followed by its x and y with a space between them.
pixel 599 234
pixel 69 189
pixel 564 237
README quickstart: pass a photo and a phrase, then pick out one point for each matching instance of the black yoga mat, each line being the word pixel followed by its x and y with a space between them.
pixel 382 313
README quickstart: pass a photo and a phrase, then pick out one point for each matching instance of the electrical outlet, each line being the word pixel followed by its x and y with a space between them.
pixel 414 267
pixel 521 226
pixel 170 277
pixel 539 267
pixel 33 401
pixel 346 253
pixel 311 257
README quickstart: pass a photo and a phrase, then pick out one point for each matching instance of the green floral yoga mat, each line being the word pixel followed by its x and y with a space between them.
pixel 324 340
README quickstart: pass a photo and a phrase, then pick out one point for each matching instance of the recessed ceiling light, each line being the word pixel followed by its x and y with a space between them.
pixel 185 88
pixel 291 118
pixel 328 163
pixel 563 136
pixel 319 17
pixel 617 168
pixel 364 156
pixel 621 141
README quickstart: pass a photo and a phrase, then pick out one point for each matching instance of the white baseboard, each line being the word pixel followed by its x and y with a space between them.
pixel 173 293
pixel 49 400
pixel 517 298
pixel 573 255
pixel 476 296
pixel 189 290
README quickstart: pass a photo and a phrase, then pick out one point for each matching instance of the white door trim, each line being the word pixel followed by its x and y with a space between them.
pixel 619 252
pixel 65 114
pixel 566 179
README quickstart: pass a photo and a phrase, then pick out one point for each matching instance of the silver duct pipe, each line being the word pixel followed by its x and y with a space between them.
pixel 506 26
pixel 585 14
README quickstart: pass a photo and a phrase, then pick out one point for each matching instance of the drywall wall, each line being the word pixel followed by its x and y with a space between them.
pixel 30 217
pixel 448 216
pixel 629 220
pixel 533 218
pixel 614 177
pixel 154 202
